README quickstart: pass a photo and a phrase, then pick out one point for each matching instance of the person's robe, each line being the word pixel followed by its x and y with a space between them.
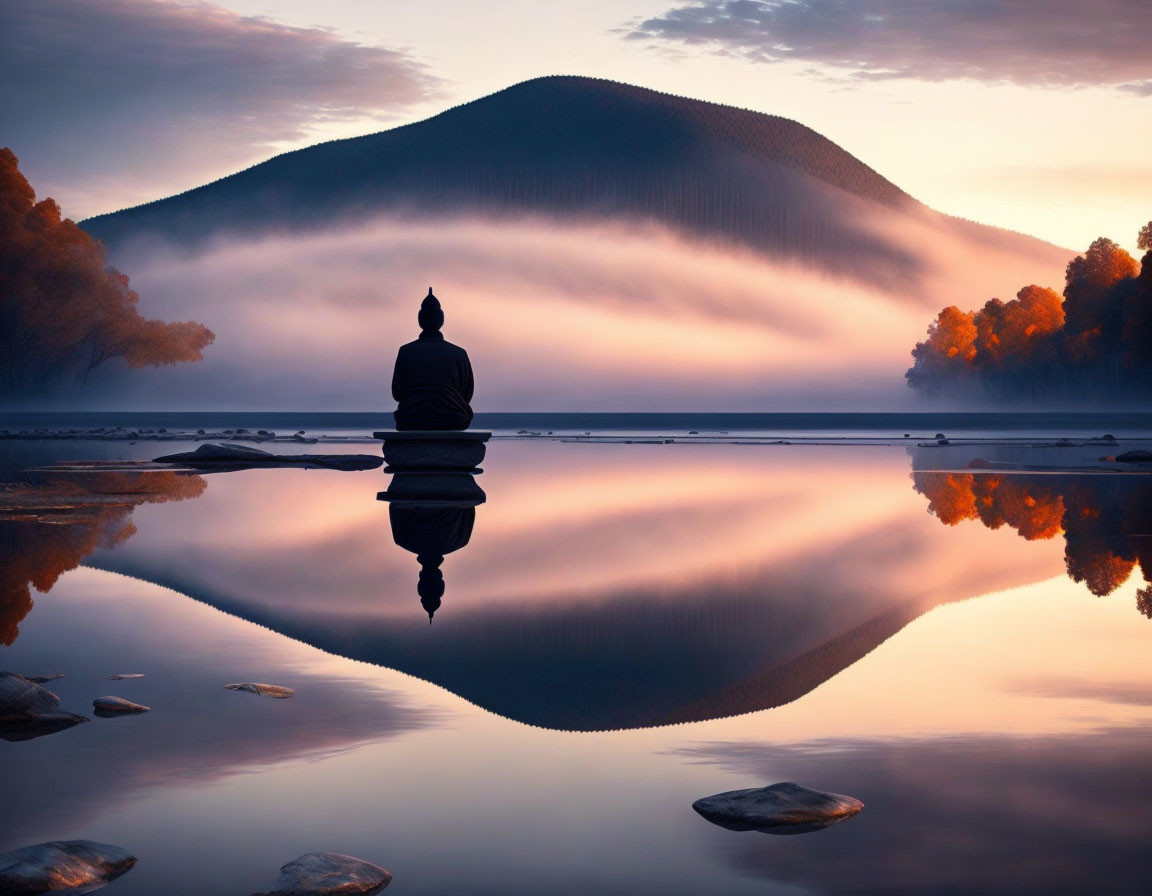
pixel 432 384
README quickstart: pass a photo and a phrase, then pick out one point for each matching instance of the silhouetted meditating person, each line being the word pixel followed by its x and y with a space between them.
pixel 432 382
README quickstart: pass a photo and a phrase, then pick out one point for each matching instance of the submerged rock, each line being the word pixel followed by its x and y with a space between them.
pixel 28 710
pixel 125 675
pixel 329 874
pixel 264 690
pixel 117 706
pixel 1135 457
pixel 44 679
pixel 785 808
pixel 62 866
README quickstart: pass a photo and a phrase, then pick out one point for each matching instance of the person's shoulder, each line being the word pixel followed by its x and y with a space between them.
pixel 456 348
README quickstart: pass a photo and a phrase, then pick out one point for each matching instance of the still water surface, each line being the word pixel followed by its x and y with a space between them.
pixel 624 629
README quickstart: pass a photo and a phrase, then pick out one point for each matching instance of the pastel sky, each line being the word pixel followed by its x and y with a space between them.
pixel 1027 114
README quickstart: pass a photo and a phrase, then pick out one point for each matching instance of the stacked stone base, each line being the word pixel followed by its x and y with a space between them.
pixel 445 489
pixel 434 466
pixel 433 449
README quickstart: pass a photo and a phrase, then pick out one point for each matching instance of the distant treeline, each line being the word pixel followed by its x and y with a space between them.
pixel 63 311
pixel 1095 341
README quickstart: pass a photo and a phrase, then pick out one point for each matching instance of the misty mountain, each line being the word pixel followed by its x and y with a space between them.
pixel 582 148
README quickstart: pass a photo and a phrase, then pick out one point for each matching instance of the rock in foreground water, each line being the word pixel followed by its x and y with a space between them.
pixel 44 679
pixel 264 690
pixel 62 866
pixel 784 808
pixel 117 706
pixel 329 874
pixel 124 676
pixel 29 710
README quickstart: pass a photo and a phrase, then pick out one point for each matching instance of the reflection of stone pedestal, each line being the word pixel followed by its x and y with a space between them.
pixel 433 449
pixel 433 488
pixel 433 497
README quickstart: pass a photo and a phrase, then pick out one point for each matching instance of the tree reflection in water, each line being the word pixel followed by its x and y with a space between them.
pixel 1106 520
pixel 50 523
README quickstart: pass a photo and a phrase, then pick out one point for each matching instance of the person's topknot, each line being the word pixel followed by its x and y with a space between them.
pixel 431 316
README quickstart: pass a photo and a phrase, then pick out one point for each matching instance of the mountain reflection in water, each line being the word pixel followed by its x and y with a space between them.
pixel 604 595
pixel 609 586
pixel 990 714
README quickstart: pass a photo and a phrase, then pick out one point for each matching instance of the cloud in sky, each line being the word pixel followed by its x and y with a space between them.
pixel 1040 43
pixel 107 100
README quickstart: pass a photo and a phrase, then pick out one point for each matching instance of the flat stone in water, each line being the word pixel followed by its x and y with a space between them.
pixel 44 679
pixel 28 710
pixel 329 874
pixel 264 690
pixel 62 866
pixel 125 675
pixel 784 808
pixel 241 457
pixel 117 706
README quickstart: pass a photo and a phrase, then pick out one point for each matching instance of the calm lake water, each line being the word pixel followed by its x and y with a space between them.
pixel 627 628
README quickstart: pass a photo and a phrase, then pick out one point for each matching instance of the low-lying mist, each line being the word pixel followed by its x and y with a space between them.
pixel 555 317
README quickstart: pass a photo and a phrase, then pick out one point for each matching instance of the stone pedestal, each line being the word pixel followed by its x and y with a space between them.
pixel 434 487
pixel 433 449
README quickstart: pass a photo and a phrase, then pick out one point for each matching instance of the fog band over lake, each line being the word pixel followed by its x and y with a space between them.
pixel 575 317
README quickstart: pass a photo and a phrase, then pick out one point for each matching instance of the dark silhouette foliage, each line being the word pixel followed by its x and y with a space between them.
pixel 1144 240
pixel 63 311
pixel 1095 341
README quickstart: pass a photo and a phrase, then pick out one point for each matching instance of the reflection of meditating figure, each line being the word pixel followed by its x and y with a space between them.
pixel 430 532
pixel 433 493
pixel 432 382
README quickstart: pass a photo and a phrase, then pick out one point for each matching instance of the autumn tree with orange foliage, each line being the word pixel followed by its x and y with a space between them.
pixel 63 310
pixel 1144 240
pixel 949 352
pixel 1094 341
